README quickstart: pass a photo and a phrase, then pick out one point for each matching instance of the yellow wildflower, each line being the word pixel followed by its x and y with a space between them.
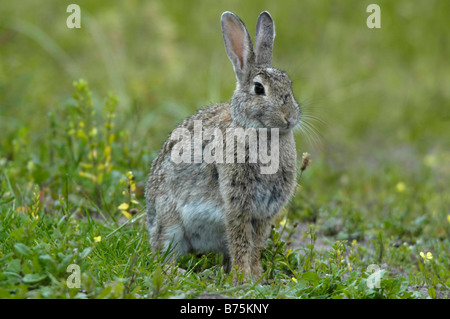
pixel 130 175
pixel 288 252
pixel 124 206
pixel 98 239
pixel 123 209
pixel 426 257
pixel 283 222
pixel 126 214
pixel 400 187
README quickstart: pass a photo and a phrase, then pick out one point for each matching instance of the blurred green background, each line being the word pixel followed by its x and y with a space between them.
pixel 381 95
pixel 378 105
pixel 381 92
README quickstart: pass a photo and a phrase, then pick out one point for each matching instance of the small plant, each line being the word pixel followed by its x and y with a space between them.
pixel 336 259
pixel 84 136
pixel 92 144
pixel 127 208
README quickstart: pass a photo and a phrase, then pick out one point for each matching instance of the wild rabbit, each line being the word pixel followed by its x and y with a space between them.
pixel 201 206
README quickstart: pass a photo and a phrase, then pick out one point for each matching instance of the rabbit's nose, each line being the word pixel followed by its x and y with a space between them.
pixel 290 121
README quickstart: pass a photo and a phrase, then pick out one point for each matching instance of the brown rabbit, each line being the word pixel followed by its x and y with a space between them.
pixel 201 206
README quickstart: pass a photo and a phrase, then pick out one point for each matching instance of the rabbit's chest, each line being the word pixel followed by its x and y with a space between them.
pixel 267 197
pixel 261 195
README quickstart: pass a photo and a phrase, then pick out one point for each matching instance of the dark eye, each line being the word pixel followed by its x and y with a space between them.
pixel 259 88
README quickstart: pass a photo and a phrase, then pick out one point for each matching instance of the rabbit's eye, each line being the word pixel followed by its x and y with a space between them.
pixel 259 88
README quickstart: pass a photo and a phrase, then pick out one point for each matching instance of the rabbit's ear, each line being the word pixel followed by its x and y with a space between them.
pixel 265 34
pixel 238 45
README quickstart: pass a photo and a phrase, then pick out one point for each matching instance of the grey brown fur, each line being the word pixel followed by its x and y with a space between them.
pixel 228 208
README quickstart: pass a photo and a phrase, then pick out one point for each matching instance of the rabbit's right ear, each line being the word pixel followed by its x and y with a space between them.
pixel 265 34
pixel 238 45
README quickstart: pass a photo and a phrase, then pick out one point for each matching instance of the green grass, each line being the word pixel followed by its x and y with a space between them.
pixel 71 153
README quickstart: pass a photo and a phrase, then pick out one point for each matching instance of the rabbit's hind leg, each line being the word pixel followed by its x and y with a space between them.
pixel 170 241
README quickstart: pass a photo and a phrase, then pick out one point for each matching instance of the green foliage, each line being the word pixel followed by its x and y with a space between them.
pixel 74 160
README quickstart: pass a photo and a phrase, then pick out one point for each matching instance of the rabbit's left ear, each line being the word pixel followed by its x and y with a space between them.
pixel 265 34
pixel 238 45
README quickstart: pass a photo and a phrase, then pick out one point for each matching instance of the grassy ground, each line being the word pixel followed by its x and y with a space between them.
pixel 74 158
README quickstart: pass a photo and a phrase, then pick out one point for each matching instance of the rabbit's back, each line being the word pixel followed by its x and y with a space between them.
pixel 183 199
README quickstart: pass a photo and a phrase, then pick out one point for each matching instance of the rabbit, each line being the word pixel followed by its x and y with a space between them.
pixel 228 208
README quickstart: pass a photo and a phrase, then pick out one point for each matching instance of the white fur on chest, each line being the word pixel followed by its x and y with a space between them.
pixel 204 226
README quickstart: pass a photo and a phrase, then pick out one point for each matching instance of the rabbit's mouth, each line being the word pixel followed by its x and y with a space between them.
pixel 289 123
pixel 287 128
pixel 284 123
pixel 282 127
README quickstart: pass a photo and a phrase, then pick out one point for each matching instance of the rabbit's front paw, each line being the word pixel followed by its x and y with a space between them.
pixel 257 270
pixel 240 275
